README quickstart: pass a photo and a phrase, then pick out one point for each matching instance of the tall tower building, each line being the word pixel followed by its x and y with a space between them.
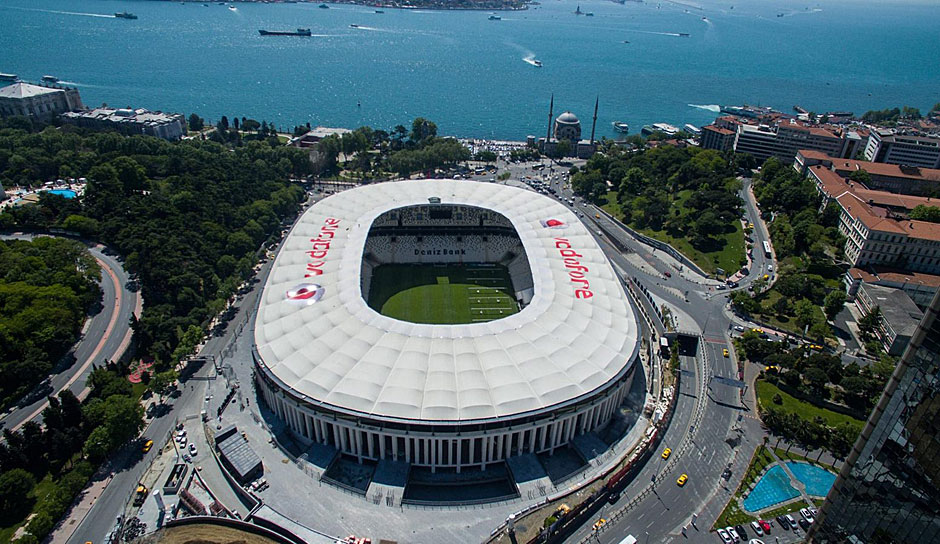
pixel 889 489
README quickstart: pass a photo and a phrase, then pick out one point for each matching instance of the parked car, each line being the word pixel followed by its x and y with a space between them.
pixel 765 525
pixel 725 537
pixel 192 450
pixel 758 530
pixel 741 532
pixel 807 515
pixel 805 524
pixel 733 533
pixel 791 521
pixel 783 523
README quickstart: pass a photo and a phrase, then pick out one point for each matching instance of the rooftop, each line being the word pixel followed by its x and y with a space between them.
pixel 125 115
pixel 340 353
pixel 898 310
pixel 893 275
pixel 27 90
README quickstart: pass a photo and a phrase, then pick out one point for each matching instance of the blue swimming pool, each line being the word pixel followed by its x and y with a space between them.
pixel 67 193
pixel 818 480
pixel 774 486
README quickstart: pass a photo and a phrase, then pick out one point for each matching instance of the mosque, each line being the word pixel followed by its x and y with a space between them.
pixel 567 126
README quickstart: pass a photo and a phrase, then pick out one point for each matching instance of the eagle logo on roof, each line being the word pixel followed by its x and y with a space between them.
pixel 553 223
pixel 305 294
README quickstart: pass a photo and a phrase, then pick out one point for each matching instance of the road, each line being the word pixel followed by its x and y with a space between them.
pixel 711 424
pixel 129 465
pixel 713 431
pixel 105 337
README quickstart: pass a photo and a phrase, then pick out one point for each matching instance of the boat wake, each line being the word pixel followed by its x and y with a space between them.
pixel 715 108
pixel 57 12
pixel 530 58
pixel 370 28
pixel 676 34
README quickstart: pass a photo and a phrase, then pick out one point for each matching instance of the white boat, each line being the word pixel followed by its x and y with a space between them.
pixel 8 78
pixel 50 79
pixel 621 127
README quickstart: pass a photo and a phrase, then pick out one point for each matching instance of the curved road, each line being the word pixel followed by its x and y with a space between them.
pixel 105 336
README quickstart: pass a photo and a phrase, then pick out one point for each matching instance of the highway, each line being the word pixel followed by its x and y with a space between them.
pixel 105 337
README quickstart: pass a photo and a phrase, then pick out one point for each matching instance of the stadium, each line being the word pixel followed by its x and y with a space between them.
pixel 446 324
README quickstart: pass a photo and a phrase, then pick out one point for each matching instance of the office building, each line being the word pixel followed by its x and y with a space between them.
pixel 898 315
pixel 785 138
pixel 909 150
pixel 888 490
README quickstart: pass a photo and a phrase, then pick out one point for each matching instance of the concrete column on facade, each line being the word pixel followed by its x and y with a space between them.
pixel 370 450
pixel 358 436
pixel 427 451
pixel 407 449
pixel 544 435
pixel 337 443
pixel 459 461
pixel 498 449
pixel 470 459
pixel 318 434
pixel 484 451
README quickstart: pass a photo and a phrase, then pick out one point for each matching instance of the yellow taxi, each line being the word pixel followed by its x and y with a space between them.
pixel 766 277
pixel 724 352
pixel 666 453
pixel 599 523
pixel 750 225
pixel 682 480
pixel 758 331
pixel 147 445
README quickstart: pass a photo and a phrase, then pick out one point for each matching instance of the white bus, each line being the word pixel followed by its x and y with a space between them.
pixel 766 249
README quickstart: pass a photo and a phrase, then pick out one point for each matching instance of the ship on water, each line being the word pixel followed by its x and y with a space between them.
pixel 50 79
pixel 621 127
pixel 298 32
pixel 125 15
pixel 495 18
pixel 8 78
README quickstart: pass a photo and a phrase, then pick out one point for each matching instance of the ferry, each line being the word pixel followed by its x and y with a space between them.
pixel 8 78
pixel 665 128
pixel 683 34
pixel 323 6
pixel 537 63
pixel 50 79
pixel 495 18
pixel 125 15
pixel 298 32
pixel 621 127
pixel 691 129
pixel 589 14
pixel 752 112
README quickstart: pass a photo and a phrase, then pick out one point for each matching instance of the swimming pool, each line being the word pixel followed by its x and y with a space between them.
pixel 774 486
pixel 818 481
pixel 67 193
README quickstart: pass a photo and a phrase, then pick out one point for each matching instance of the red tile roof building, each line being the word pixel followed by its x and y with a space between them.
pixel 876 226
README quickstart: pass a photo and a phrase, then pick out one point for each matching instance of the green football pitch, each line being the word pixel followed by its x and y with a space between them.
pixel 442 294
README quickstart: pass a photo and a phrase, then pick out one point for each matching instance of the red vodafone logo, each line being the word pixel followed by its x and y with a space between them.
pixel 553 223
pixel 305 294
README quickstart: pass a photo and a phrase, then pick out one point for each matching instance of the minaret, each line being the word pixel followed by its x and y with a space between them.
pixel 551 106
pixel 594 124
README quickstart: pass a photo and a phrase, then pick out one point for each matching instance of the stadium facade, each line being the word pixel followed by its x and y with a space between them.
pixel 453 396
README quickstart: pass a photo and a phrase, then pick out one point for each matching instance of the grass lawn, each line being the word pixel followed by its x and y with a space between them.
pixel 728 258
pixel 784 456
pixel 803 409
pixel 442 294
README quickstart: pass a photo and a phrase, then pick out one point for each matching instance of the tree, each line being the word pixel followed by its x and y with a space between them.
pixel 922 212
pixel 833 303
pixel 422 129
pixel 805 312
pixel 563 148
pixel 817 379
pixel 15 484
pixel 223 123
pixel 196 123
pixel 162 382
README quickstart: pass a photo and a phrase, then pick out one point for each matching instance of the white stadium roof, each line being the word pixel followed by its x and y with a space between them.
pixel 340 353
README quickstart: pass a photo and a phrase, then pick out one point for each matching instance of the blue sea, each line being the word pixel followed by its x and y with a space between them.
pixel 473 76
